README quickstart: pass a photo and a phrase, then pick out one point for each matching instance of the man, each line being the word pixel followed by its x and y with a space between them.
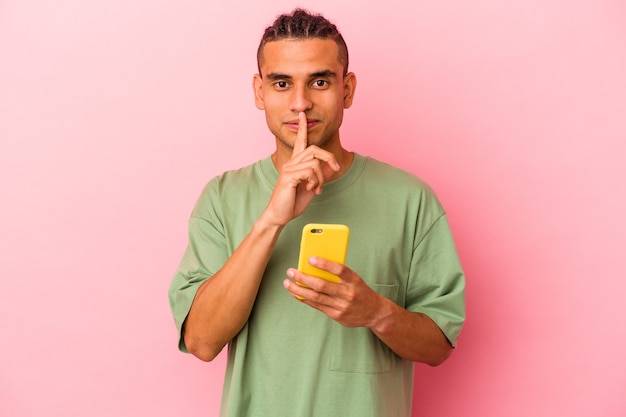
pixel 322 349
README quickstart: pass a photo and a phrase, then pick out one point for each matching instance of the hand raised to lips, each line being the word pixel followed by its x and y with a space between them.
pixel 300 178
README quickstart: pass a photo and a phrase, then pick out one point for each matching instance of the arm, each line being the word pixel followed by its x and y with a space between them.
pixel 223 303
pixel 412 336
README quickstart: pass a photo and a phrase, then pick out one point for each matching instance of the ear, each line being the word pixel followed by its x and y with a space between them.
pixel 349 87
pixel 257 86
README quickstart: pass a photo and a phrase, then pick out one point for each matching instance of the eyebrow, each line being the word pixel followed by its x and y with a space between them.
pixel 278 76
pixel 325 73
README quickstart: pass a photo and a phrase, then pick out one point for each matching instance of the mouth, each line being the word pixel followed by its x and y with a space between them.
pixel 294 124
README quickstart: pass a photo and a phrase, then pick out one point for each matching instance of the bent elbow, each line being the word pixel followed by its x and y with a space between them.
pixel 202 350
pixel 440 357
pixel 203 353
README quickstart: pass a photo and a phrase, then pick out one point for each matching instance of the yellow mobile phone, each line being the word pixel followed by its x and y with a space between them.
pixel 328 241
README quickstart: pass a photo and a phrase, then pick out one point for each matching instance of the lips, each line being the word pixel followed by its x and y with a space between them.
pixel 294 124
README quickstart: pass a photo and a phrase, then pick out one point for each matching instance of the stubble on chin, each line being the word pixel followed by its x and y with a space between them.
pixel 288 143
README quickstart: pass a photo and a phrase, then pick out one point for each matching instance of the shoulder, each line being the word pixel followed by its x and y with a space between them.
pixel 259 171
pixel 234 185
pixel 379 172
pixel 245 173
pixel 400 189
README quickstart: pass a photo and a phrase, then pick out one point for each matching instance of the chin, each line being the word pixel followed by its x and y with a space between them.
pixel 321 142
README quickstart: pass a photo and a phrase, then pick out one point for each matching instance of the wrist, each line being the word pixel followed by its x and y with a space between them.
pixel 382 319
pixel 264 226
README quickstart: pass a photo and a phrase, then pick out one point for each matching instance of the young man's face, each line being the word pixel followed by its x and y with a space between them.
pixel 303 75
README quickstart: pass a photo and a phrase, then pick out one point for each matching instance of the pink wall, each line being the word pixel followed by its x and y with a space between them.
pixel 114 114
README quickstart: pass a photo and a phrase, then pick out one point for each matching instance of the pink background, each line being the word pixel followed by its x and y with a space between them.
pixel 113 115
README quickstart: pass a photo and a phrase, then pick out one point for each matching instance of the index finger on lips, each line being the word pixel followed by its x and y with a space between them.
pixel 301 137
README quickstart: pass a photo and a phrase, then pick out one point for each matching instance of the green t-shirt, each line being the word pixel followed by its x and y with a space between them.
pixel 291 360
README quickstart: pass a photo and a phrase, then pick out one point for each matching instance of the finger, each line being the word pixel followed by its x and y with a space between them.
pixel 334 268
pixel 301 137
pixel 294 289
pixel 312 172
pixel 315 166
pixel 312 287
pixel 314 152
pixel 304 282
pixel 305 292
pixel 321 301
pixel 307 176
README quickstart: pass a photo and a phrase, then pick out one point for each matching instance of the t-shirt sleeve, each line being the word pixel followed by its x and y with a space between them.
pixel 205 254
pixel 437 284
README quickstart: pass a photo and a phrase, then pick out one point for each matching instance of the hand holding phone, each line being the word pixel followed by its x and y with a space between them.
pixel 328 241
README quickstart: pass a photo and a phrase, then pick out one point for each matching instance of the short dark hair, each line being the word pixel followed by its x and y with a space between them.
pixel 303 24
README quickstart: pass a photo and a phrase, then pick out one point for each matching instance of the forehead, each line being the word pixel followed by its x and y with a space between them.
pixel 289 56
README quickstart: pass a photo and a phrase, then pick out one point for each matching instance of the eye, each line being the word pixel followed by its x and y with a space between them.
pixel 281 85
pixel 320 83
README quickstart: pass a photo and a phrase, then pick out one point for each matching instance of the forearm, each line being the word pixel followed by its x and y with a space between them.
pixel 223 303
pixel 412 336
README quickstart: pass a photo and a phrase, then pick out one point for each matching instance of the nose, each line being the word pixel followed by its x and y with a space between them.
pixel 300 100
